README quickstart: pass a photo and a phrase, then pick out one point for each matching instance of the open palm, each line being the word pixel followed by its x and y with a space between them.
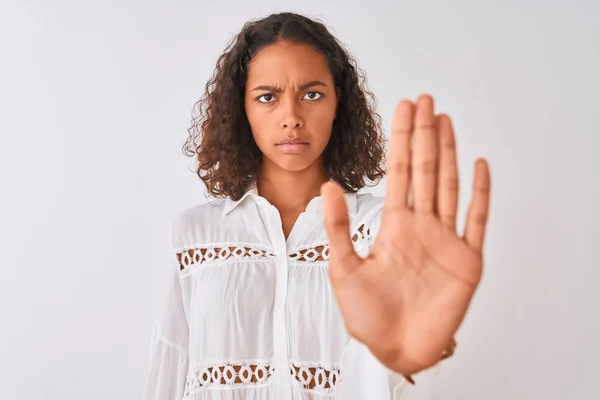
pixel 407 299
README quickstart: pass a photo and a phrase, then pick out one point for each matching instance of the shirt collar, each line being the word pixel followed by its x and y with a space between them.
pixel 314 206
pixel 231 204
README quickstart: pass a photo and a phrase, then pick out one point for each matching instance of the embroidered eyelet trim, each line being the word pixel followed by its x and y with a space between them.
pixel 315 377
pixel 312 254
pixel 230 375
pixel 362 236
pixel 320 253
pixel 309 377
pixel 218 254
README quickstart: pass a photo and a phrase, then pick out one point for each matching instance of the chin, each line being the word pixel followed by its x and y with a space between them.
pixel 293 163
pixel 294 166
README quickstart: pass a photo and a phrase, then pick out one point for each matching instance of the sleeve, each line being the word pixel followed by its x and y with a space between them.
pixel 423 389
pixel 169 346
pixel 362 376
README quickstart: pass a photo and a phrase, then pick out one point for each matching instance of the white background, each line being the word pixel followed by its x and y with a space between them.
pixel 95 100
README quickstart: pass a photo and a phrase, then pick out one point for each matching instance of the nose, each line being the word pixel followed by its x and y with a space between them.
pixel 291 118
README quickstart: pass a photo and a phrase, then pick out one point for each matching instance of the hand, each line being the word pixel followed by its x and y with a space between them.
pixel 407 299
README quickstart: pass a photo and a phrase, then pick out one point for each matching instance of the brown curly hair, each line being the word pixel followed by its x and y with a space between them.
pixel 220 137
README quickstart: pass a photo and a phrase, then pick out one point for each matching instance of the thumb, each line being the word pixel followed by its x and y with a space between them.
pixel 342 256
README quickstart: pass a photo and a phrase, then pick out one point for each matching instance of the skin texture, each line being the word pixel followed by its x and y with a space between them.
pixel 290 94
pixel 407 299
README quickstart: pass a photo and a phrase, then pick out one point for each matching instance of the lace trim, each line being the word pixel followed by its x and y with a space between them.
pixel 229 375
pixel 320 253
pixel 216 254
pixel 313 377
pixel 312 254
pixel 219 254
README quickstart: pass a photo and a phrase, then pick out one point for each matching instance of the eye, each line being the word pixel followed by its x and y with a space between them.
pixel 313 96
pixel 266 98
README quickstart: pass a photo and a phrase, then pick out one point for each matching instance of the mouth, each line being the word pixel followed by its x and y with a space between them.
pixel 292 148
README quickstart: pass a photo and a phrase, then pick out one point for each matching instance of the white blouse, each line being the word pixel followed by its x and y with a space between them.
pixel 251 316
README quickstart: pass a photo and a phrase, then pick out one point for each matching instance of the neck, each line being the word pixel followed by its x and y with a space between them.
pixel 290 191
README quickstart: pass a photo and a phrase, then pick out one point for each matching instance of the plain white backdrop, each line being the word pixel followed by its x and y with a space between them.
pixel 95 100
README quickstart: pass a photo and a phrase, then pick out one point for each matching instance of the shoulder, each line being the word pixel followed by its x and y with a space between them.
pixel 189 226
pixel 368 205
pixel 370 210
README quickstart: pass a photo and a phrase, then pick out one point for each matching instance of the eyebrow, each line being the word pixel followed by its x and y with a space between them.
pixel 276 89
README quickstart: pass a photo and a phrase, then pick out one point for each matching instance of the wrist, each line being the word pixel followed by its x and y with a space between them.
pixel 399 362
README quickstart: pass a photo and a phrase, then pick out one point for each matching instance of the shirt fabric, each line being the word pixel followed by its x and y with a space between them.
pixel 250 315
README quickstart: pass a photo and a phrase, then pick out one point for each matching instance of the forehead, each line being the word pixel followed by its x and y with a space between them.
pixel 287 60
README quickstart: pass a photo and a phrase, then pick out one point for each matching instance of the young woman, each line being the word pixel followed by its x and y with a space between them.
pixel 288 284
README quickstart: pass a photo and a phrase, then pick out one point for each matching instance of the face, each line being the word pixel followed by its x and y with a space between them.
pixel 291 103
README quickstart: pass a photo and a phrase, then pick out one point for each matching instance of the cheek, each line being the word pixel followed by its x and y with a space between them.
pixel 259 123
pixel 321 121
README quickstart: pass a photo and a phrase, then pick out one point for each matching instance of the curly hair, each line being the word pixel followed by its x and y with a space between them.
pixel 220 137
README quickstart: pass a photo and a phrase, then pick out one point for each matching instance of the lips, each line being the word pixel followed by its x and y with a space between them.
pixel 292 146
pixel 293 141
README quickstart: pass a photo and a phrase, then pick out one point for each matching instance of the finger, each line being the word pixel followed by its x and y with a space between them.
pixel 398 174
pixel 424 156
pixel 477 215
pixel 337 225
pixel 447 191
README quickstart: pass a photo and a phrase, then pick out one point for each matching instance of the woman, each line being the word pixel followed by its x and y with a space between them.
pixel 288 284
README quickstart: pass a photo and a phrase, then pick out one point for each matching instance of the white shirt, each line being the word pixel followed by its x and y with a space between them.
pixel 252 316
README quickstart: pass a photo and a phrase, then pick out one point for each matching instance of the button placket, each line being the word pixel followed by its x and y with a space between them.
pixel 282 375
